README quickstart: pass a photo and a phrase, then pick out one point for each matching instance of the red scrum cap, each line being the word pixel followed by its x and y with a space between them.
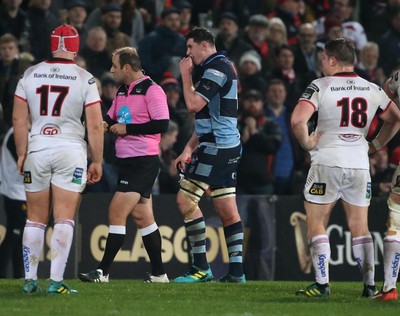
pixel 65 38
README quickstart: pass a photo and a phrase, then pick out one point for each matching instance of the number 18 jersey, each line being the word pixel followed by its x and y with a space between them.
pixel 346 105
pixel 56 92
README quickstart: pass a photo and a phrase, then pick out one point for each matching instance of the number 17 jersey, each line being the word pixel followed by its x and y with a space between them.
pixel 346 105
pixel 56 91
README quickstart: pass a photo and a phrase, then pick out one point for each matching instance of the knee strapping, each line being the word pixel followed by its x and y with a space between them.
pixel 393 223
pixel 222 192
pixel 192 191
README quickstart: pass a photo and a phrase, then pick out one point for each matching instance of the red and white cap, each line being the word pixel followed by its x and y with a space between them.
pixel 65 38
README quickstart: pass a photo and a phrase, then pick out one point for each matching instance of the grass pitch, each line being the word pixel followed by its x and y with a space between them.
pixel 133 297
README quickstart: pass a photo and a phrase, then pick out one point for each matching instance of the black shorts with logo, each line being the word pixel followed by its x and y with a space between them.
pixel 137 174
pixel 215 166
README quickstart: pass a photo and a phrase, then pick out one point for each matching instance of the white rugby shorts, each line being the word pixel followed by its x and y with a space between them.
pixel 396 181
pixel 326 185
pixel 65 167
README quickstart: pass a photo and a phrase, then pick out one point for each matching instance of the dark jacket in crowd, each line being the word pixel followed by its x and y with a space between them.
pixel 157 49
pixel 255 167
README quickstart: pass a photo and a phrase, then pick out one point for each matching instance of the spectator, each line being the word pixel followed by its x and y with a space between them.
pixel 186 16
pixel 353 30
pixel 288 12
pixel 164 47
pixel 250 76
pixel 289 154
pixel 168 177
pixel 256 35
pixel 12 18
pixel 381 172
pixel 111 18
pixel 367 67
pixel 178 112
pixel 374 16
pixel 276 37
pixel 237 7
pixel 284 71
pixel 389 44
pixel 109 88
pixel 76 16
pixel 94 18
pixel 41 23
pixel 228 39
pixel 95 53
pixel 132 22
pixel 305 52
pixel 332 29
pixel 12 66
pixel 148 11
pixel 261 138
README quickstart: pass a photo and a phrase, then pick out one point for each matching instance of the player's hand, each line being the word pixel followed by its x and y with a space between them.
pixel 106 127
pixel 95 171
pixel 119 129
pixel 312 140
pixel 186 66
pixel 251 123
pixel 182 160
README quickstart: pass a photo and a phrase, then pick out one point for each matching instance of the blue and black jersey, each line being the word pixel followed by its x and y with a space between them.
pixel 216 81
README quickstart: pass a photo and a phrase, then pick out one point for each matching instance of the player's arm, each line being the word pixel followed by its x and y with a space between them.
pixel 187 152
pixel 300 116
pixel 21 130
pixel 194 102
pixel 94 124
pixel 392 95
pixel 391 125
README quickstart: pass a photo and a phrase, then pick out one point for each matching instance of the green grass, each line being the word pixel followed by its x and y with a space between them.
pixel 133 297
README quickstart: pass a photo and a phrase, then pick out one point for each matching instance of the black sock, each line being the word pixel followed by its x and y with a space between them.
pixel 152 243
pixel 113 245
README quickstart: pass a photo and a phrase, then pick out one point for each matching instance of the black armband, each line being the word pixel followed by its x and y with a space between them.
pixel 109 121
pixel 152 127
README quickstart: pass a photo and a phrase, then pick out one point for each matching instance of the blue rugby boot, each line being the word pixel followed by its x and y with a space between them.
pixel 195 275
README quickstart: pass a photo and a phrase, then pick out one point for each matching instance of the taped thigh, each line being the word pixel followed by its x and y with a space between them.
pixel 393 223
pixel 192 191
pixel 217 193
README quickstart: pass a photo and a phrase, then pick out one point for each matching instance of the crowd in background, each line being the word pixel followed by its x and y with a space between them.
pixel 275 46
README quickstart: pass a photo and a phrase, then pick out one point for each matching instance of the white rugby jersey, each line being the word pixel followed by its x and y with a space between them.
pixel 346 105
pixel 56 91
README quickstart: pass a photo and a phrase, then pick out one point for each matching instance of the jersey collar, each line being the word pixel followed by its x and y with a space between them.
pixel 60 61
pixel 213 56
pixel 345 74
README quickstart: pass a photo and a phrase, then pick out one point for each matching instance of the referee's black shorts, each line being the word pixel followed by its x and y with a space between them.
pixel 137 174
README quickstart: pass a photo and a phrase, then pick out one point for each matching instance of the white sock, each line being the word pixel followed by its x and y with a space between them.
pixel 320 251
pixel 148 230
pixel 363 251
pixel 32 247
pixel 60 246
pixel 391 261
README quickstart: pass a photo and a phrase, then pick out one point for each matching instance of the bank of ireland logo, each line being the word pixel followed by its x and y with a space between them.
pixel 77 176
pixel 124 115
